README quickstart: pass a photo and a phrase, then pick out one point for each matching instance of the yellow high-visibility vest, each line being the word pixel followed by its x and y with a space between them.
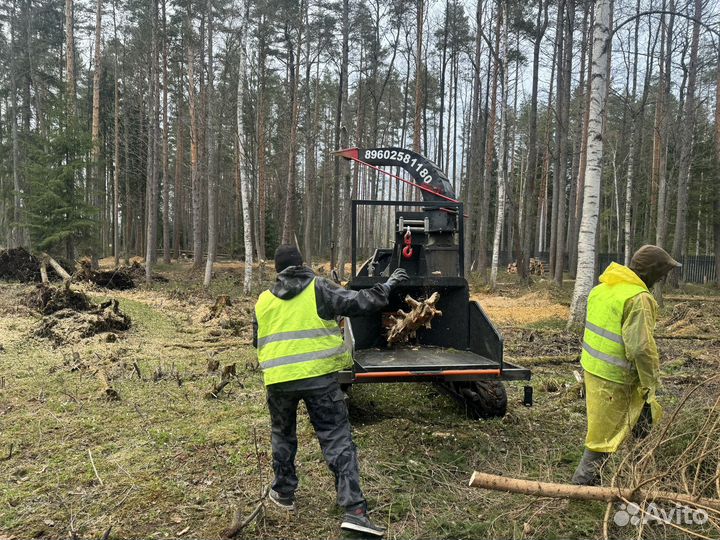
pixel 294 342
pixel 603 351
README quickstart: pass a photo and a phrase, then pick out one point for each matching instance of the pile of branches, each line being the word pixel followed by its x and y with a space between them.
pixel 692 319
pixel 680 455
pixel 666 485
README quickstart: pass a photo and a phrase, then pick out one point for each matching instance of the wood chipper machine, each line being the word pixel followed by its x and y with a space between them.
pixel 460 351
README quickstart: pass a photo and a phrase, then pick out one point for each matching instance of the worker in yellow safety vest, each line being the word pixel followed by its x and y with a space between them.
pixel 620 358
pixel 300 350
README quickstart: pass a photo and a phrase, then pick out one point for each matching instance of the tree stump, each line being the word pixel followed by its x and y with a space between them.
pixel 406 325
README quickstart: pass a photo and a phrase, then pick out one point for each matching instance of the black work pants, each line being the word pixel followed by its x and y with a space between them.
pixel 329 416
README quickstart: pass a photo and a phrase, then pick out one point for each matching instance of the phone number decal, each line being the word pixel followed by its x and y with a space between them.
pixel 402 158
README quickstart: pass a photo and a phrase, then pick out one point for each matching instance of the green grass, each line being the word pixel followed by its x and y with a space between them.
pixel 170 460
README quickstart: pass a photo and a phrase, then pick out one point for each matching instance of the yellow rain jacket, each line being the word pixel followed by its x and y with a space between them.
pixel 613 408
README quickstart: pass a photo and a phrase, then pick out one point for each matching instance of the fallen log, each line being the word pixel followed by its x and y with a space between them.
pixel 544 360
pixel 405 325
pixel 683 298
pixel 43 272
pixel 59 270
pixel 587 493
pixel 698 337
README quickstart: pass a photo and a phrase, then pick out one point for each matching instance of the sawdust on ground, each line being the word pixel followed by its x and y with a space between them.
pixel 527 309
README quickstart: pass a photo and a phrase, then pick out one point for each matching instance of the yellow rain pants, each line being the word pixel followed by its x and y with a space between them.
pixel 613 409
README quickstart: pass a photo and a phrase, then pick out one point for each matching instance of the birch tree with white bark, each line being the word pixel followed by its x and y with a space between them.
pixel 502 159
pixel 212 154
pixel 593 168
pixel 245 188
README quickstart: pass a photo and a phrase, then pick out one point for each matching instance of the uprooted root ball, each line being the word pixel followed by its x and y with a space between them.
pixel 120 278
pixel 69 326
pixel 48 300
pixel 18 264
pixel 70 316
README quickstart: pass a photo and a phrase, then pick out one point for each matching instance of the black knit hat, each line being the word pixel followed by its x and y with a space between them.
pixel 287 255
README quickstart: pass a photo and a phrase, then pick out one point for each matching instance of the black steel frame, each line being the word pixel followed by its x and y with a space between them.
pixel 449 206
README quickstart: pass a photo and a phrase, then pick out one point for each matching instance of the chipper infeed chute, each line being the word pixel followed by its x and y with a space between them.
pixel 460 350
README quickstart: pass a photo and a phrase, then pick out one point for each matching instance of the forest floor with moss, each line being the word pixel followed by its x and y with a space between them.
pixel 164 461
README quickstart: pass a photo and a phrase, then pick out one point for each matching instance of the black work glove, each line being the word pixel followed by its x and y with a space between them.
pixel 397 277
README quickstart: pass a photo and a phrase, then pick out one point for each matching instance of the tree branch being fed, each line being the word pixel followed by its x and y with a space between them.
pixel 405 325
pixel 588 493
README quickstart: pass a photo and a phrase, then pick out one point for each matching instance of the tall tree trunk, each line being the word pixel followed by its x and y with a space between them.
pixel 441 89
pixel 70 96
pixel 659 187
pixel 151 191
pixel 97 71
pixel 261 198
pixel 570 243
pixel 165 151
pixel 179 158
pixel 564 68
pixel 473 169
pixel 343 224
pixel 502 158
pixel 716 202
pixel 419 76
pixel 16 227
pixel 593 173
pixel 70 57
pixel 245 188
pixel 489 154
pixel 116 155
pixel 530 195
pixel 311 230
pixel 194 159
pixel 559 76
pixel 288 230
pixel 211 151
pixel 686 148
pixel 128 215
pixel 627 233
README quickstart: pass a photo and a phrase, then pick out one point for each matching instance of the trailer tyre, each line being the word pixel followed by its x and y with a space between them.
pixel 484 399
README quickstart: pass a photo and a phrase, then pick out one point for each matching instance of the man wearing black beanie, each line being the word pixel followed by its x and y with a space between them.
pixel 301 350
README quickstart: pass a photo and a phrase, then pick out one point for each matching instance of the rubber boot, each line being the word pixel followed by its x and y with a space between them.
pixel 588 470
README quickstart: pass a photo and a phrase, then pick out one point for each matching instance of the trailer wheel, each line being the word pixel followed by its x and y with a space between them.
pixel 484 399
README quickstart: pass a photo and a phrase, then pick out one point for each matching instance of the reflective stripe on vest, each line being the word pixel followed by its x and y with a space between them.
pixel 603 351
pixel 294 342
